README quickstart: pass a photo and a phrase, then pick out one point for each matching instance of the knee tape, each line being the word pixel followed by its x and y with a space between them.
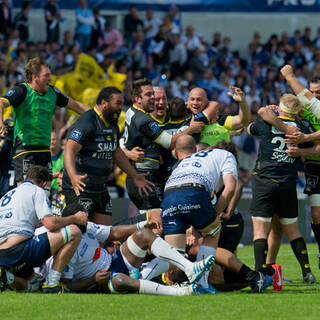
pixel 135 249
pixel 264 219
pixel 66 234
pixel 288 220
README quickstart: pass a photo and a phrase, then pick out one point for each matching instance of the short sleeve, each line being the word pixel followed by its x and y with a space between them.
pixel 102 232
pixel 152 130
pixel 62 99
pixel 230 166
pixel 42 204
pixel 16 95
pixel 82 130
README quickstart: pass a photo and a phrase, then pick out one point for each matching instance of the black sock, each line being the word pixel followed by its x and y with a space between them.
pixel 316 230
pixel 260 247
pixel 300 250
pixel 244 271
pixel 233 277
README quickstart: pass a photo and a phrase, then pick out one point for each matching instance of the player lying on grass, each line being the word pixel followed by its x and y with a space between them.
pixel 92 265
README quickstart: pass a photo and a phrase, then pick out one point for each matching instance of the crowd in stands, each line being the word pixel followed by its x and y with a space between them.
pixel 175 58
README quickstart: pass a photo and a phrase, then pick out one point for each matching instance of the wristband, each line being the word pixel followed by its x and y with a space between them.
pixel 141 224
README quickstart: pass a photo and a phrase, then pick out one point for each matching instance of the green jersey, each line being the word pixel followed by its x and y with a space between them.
pixel 32 113
pixel 313 124
pixel 57 165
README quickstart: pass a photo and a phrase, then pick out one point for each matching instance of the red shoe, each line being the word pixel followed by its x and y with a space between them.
pixel 277 278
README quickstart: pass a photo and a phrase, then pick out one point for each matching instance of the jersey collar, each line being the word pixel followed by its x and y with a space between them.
pixel 286 118
pixel 101 117
pixel 140 109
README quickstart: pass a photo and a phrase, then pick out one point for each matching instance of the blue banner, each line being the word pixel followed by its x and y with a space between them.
pixel 263 6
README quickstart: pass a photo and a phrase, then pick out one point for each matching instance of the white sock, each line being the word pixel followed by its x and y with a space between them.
pixel 149 287
pixel 154 268
pixel 53 277
pixel 164 251
pixel 204 252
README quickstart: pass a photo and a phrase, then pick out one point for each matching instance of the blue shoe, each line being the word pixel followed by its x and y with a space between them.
pixel 199 289
pixel 268 281
pixel 199 268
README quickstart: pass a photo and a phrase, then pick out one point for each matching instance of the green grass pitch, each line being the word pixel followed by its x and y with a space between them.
pixel 296 301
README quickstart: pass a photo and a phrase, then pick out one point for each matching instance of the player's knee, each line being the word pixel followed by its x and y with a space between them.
pixel 144 236
pixel 134 244
pixel 71 233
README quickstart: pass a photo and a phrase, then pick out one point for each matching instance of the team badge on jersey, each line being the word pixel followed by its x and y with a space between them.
pixel 76 135
pixel 9 93
pixel 154 127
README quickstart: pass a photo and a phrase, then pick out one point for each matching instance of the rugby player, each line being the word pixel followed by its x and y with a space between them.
pixel 141 130
pixel 33 105
pixel 274 187
pixel 21 210
pixel 92 265
pixel 92 146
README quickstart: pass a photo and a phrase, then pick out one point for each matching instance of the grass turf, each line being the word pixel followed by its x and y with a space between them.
pixel 296 301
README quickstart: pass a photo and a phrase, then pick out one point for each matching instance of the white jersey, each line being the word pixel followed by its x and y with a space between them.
pixel 21 209
pixel 206 168
pixel 89 257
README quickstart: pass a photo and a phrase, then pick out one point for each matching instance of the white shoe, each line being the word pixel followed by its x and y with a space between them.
pixel 199 268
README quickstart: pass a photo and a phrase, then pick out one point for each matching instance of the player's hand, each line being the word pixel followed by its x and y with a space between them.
pixel 293 151
pixel 296 137
pixel 78 184
pixel 80 218
pixel 3 130
pixel 287 71
pixel 225 216
pixel 102 276
pixel 195 126
pixel 191 237
pixel 154 220
pixel 142 183
pixel 272 107
pixel 237 95
pixel 137 154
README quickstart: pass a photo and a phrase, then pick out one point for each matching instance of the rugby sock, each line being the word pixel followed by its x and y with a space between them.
pixel 154 268
pixel 204 252
pixel 149 287
pixel 233 277
pixel 300 250
pixel 164 251
pixel 244 272
pixel 316 230
pixel 260 247
pixel 53 277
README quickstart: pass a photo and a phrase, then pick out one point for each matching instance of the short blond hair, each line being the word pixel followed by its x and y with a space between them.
pixel 33 67
pixel 290 104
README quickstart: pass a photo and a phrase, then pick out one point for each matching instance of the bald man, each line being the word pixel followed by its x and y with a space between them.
pixel 187 196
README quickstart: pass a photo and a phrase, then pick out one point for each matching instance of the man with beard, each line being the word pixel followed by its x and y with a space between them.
pixel 141 130
pixel 92 144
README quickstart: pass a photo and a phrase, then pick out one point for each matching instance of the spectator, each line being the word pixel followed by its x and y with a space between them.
pixel 190 40
pixel 178 55
pixel 112 38
pixel 131 23
pixel 21 21
pixel 151 24
pixel 5 19
pixel 98 28
pixel 85 22
pixel 52 16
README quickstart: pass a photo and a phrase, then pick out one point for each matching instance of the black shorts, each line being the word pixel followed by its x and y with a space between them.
pixel 269 197
pixel 99 202
pixel 26 157
pixel 231 232
pixel 312 173
pixel 154 198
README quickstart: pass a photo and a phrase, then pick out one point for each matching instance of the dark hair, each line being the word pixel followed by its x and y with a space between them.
pixel 71 209
pixel 33 67
pixel 177 108
pixel 106 94
pixel 202 146
pixel 136 86
pixel 38 174
pixel 228 146
pixel 315 80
